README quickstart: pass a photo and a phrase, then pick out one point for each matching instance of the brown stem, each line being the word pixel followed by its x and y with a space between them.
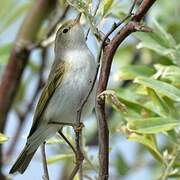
pixel 79 157
pixel 108 53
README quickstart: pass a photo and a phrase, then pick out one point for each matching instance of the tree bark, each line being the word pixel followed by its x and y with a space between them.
pixel 108 54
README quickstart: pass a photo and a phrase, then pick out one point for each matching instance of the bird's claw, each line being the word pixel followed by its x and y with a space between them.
pixel 78 127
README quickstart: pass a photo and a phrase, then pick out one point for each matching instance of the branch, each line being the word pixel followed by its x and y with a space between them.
pixel 169 161
pixel 108 53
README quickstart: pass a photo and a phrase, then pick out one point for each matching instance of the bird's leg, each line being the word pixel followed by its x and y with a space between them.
pixel 78 154
pixel 78 128
pixel 78 133
pixel 44 161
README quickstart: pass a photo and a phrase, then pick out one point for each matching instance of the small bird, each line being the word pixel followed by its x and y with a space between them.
pixel 69 82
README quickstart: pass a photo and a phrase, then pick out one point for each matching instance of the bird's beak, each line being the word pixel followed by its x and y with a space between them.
pixel 77 20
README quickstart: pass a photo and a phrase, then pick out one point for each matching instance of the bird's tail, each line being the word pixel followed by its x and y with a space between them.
pixel 33 142
pixel 23 160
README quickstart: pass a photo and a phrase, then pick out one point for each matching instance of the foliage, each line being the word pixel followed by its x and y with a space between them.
pixel 152 97
pixel 7 20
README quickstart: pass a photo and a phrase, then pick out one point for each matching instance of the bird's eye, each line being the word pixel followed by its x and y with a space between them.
pixel 65 30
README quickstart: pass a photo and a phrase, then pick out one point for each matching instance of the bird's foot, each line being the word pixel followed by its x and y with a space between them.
pixel 78 127
pixel 79 157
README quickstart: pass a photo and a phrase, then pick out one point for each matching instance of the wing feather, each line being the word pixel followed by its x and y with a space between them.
pixel 54 80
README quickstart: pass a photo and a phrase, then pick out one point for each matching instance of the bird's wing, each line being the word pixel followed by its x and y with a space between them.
pixel 54 80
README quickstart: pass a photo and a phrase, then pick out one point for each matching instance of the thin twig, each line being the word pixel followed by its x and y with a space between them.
pixel 44 161
pixel 90 163
pixel 75 170
pixel 94 14
pixel 169 161
pixel 79 155
pixel 67 141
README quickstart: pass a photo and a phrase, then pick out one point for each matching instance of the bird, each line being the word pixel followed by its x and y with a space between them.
pixel 69 81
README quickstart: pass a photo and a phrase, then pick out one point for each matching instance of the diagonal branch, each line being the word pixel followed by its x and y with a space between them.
pixel 108 53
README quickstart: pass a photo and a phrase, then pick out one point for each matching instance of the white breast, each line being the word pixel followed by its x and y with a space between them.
pixel 76 83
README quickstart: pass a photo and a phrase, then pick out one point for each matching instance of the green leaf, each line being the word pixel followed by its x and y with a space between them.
pixel 168 73
pixel 172 107
pixel 152 125
pixel 132 71
pixel 158 103
pixel 123 53
pixel 173 136
pixel 3 138
pixel 148 142
pixel 160 87
pixel 175 175
pixel 121 165
pixel 59 157
pixel 148 40
pixel 14 10
pixel 106 6
pixel 168 39
pixel 133 101
pixel 161 42
pixel 6 5
pixel 119 10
